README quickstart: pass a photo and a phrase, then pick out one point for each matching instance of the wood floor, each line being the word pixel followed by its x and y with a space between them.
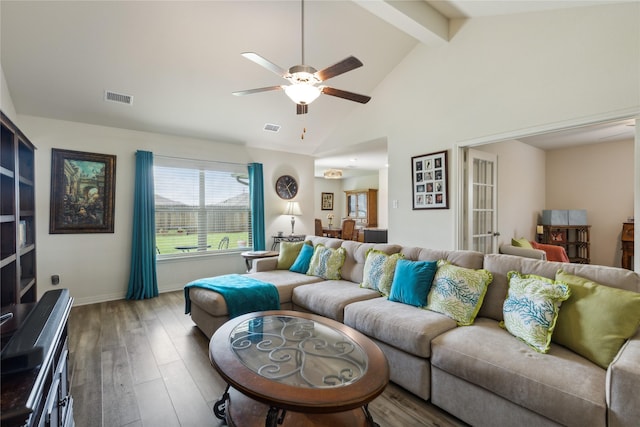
pixel 144 363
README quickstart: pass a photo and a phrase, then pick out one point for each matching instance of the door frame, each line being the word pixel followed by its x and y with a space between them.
pixel 458 161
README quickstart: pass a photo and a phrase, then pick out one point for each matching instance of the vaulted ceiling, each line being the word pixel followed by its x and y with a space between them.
pixel 181 61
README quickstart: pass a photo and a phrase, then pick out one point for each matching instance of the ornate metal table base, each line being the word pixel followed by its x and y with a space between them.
pixel 276 417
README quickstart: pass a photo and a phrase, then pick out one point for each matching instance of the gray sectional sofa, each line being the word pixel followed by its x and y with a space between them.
pixel 480 373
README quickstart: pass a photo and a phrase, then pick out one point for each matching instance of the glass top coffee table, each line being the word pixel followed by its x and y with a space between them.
pixel 294 368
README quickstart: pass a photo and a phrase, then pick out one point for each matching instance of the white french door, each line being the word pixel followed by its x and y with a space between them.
pixel 481 204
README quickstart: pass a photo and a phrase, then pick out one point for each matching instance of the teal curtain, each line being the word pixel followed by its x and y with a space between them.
pixel 143 281
pixel 256 193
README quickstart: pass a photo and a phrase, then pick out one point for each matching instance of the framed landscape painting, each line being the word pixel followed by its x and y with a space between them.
pixel 429 181
pixel 82 192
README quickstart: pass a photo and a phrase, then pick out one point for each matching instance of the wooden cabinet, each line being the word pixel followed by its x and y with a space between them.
pixel 574 238
pixel 627 245
pixel 362 205
pixel 17 216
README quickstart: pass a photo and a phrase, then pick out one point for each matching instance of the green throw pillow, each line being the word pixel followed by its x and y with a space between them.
pixel 288 253
pixel 327 262
pixel 597 320
pixel 521 243
pixel 458 292
pixel 531 308
pixel 379 268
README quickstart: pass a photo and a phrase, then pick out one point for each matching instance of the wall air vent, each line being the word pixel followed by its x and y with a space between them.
pixel 118 97
pixel 269 127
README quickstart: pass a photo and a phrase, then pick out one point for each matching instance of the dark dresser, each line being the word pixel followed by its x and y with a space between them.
pixel 35 355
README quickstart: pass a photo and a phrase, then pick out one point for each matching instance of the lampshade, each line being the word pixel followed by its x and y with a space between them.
pixel 302 93
pixel 333 174
pixel 293 208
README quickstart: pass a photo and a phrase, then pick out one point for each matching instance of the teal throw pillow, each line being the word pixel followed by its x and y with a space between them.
pixel 531 308
pixel 412 281
pixel 379 268
pixel 458 292
pixel 327 262
pixel 301 264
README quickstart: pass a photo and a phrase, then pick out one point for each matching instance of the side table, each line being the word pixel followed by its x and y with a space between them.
pixel 289 238
pixel 251 255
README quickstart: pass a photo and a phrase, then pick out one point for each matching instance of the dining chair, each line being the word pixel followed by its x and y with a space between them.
pixel 348 226
pixel 318 231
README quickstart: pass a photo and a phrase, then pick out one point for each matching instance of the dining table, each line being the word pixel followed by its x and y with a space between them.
pixel 332 232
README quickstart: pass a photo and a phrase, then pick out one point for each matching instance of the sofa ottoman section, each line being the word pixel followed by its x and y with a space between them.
pixel 560 386
pixel 209 309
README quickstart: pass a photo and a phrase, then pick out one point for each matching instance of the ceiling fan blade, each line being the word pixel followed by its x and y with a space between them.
pixel 258 90
pixel 363 99
pixel 341 67
pixel 302 108
pixel 252 56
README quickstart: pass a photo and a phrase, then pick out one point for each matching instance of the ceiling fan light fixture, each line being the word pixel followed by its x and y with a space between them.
pixel 302 93
pixel 333 174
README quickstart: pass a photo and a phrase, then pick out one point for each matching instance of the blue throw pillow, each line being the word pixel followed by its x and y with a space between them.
pixel 301 264
pixel 412 281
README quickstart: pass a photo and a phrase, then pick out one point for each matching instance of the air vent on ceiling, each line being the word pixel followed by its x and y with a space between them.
pixel 118 97
pixel 269 127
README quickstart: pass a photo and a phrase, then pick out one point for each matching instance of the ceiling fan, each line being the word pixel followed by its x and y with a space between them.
pixel 305 80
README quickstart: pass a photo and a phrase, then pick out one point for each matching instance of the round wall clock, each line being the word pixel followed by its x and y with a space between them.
pixel 286 187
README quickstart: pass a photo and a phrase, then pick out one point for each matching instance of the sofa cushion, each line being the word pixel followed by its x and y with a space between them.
pixel 499 265
pixel 597 320
pixel 407 328
pixel 288 253
pixel 466 259
pixel 326 262
pixel 301 264
pixel 379 269
pixel 329 298
pixel 531 308
pixel 458 292
pixel 412 281
pixel 560 385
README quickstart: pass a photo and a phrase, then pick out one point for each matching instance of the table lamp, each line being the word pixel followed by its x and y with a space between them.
pixel 293 209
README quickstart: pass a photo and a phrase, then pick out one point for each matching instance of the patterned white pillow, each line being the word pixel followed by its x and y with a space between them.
pixel 379 269
pixel 531 308
pixel 327 262
pixel 458 292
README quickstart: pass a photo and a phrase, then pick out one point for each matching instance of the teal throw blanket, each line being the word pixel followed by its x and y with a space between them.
pixel 242 294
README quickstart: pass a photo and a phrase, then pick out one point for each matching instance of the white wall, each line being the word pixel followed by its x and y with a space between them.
pixel 496 75
pixel 600 179
pixel 6 103
pixel 95 267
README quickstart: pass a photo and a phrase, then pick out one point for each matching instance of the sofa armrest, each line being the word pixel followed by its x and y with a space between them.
pixel 523 252
pixel 623 383
pixel 264 264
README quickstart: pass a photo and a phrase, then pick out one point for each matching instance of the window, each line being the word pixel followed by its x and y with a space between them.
pixel 200 206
